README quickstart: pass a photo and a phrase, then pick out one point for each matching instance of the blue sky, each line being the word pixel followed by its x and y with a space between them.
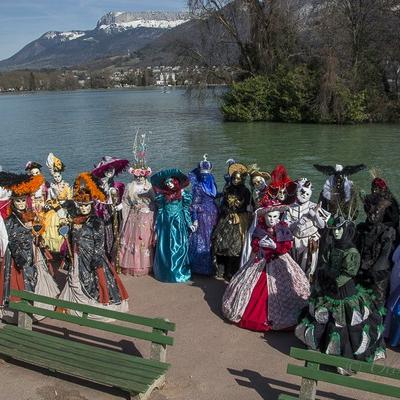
pixel 22 21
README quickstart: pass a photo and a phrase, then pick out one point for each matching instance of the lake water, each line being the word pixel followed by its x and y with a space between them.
pixel 82 126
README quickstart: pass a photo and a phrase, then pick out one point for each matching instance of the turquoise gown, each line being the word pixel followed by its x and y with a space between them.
pixel 171 263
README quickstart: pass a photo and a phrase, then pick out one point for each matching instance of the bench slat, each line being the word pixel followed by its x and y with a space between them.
pixel 346 363
pixel 64 354
pixel 134 319
pixel 283 396
pixel 347 381
pixel 121 330
pixel 112 355
pixel 75 370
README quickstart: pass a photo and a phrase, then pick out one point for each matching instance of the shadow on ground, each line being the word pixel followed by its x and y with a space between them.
pixel 282 341
pixel 213 290
pixel 125 346
pixel 264 386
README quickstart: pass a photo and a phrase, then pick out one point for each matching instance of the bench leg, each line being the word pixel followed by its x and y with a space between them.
pixel 158 384
pixel 308 389
pixel 24 321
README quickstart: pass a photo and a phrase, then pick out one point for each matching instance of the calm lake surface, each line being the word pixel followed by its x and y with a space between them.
pixel 82 126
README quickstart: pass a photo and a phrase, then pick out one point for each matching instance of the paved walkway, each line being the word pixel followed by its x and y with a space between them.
pixel 211 359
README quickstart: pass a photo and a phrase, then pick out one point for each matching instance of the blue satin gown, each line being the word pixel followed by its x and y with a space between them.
pixel 171 263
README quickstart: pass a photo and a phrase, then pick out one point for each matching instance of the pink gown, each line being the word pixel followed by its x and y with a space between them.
pixel 137 234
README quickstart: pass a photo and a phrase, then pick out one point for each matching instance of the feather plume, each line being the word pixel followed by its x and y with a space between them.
pixel 88 181
pixel 21 184
pixel 374 172
pixel 353 169
pixel 325 169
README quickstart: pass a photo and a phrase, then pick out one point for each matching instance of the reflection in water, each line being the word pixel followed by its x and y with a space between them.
pixel 82 126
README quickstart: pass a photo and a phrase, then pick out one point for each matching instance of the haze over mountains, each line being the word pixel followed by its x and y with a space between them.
pixel 116 34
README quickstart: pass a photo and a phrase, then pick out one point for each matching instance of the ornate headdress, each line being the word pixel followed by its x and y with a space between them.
pixel 107 162
pixel 237 168
pixel 205 166
pixel 87 189
pixel 139 167
pixel 269 205
pixel 21 184
pixel 30 165
pixel 303 182
pixel 254 170
pixel 54 164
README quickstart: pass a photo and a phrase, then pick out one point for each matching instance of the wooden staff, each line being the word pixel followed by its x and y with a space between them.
pixel 114 199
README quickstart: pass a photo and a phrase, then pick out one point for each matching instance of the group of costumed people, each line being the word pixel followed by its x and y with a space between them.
pixel 289 263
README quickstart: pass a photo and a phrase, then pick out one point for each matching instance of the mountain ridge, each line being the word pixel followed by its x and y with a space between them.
pixel 116 33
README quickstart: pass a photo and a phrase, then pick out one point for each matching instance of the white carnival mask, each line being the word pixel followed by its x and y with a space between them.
pixel 272 218
pixel 304 191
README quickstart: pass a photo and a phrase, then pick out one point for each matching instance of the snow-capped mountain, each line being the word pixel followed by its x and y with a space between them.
pixel 116 33
pixel 120 21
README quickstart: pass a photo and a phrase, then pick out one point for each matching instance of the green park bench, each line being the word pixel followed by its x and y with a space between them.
pixel 311 374
pixel 136 375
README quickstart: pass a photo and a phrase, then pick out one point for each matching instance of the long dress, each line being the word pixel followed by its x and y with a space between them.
pixel 24 266
pixel 92 279
pixel 171 263
pixel 305 220
pixel 137 234
pixel 229 234
pixel 57 194
pixel 342 318
pixel 269 292
pixel 106 212
pixel 205 212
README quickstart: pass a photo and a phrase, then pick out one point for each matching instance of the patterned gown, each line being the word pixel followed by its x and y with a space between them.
pixel 24 266
pixel 92 279
pixel 269 292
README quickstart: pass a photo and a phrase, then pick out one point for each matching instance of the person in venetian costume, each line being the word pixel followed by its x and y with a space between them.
pixel 270 290
pixel 137 233
pixel 25 266
pixel 229 234
pixel 173 226
pixel 259 189
pixel 259 184
pixel 58 193
pixel 204 213
pixel 338 195
pixel 376 242
pixel 33 168
pixel 342 318
pixel 91 278
pixel 305 219
pixel 281 188
pixel 110 209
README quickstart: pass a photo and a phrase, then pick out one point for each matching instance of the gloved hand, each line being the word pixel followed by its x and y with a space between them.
pixel 267 242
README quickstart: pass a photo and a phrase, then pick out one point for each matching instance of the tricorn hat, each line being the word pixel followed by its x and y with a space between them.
pixel 30 165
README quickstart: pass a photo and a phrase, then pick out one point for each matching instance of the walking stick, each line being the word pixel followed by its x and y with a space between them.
pixel 114 199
